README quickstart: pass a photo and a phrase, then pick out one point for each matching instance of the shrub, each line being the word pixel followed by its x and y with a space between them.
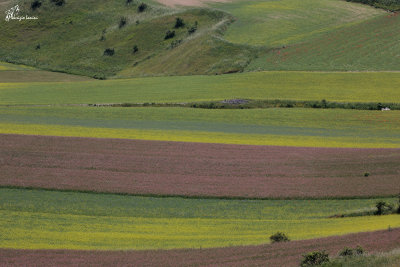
pixel 169 34
pixel 135 49
pixel 192 29
pixel 35 4
pixel 58 2
pixel 279 237
pixel 128 2
pixel 346 252
pixel 37 47
pixel 122 22
pixel 366 174
pixel 179 23
pixel 142 7
pixel 383 208
pixel 359 250
pixel 314 258
pixel 109 52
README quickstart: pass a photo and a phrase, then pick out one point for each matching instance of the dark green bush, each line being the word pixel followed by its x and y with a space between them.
pixel 359 250
pixel 142 7
pixel 346 252
pixel 135 49
pixel 169 34
pixel 279 237
pixel 58 2
pixel 36 4
pixel 109 52
pixel 383 208
pixel 122 22
pixel 314 258
pixel 179 23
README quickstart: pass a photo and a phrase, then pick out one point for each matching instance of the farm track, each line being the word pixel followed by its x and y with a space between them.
pixel 288 254
pixel 196 170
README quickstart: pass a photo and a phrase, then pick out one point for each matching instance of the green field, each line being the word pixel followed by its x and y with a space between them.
pixel 47 219
pixel 341 87
pixel 295 127
pixel 371 45
pixel 277 23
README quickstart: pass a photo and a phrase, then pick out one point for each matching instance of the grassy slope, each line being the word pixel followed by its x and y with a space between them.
pixel 11 73
pixel 342 87
pixel 69 38
pixel 43 219
pixel 285 22
pixel 371 45
pixel 295 127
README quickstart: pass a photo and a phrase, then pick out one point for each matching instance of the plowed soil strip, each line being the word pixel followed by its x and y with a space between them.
pixel 281 254
pixel 193 169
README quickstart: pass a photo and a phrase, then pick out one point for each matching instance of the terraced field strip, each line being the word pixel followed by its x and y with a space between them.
pixel 339 86
pixel 272 23
pixel 372 45
pixel 285 127
pixel 289 254
pixel 37 219
pixel 193 169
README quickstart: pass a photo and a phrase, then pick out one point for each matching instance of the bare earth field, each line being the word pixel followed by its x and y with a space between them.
pixel 281 254
pixel 192 169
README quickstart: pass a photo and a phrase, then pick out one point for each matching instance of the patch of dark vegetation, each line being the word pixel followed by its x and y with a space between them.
pixel 314 258
pixel 122 22
pixel 142 7
pixel 391 5
pixel 279 237
pixel 109 52
pixel 169 34
pixel 128 2
pixel 179 23
pixel 37 47
pixel 175 44
pixel 135 49
pixel 348 252
pixel 58 2
pixel 381 208
pixel 250 104
pixel 36 4
pixel 193 29
pixel 103 35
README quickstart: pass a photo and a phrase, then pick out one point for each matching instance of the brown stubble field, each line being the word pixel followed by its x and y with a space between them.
pixel 193 169
pixel 280 254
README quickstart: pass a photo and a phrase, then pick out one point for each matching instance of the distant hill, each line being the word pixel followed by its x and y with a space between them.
pixel 122 38
pixel 130 38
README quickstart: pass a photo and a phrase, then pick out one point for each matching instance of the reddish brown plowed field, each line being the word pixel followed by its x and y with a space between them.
pixel 283 254
pixel 193 169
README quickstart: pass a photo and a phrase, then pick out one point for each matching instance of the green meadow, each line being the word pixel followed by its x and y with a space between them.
pixel 275 126
pixel 36 219
pixel 371 45
pixel 333 86
pixel 278 23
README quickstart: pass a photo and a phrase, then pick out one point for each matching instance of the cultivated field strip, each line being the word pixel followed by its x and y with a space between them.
pixel 40 219
pixel 194 169
pixel 274 126
pixel 331 86
pixel 287 254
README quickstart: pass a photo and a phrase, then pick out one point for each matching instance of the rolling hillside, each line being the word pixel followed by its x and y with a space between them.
pixel 104 39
